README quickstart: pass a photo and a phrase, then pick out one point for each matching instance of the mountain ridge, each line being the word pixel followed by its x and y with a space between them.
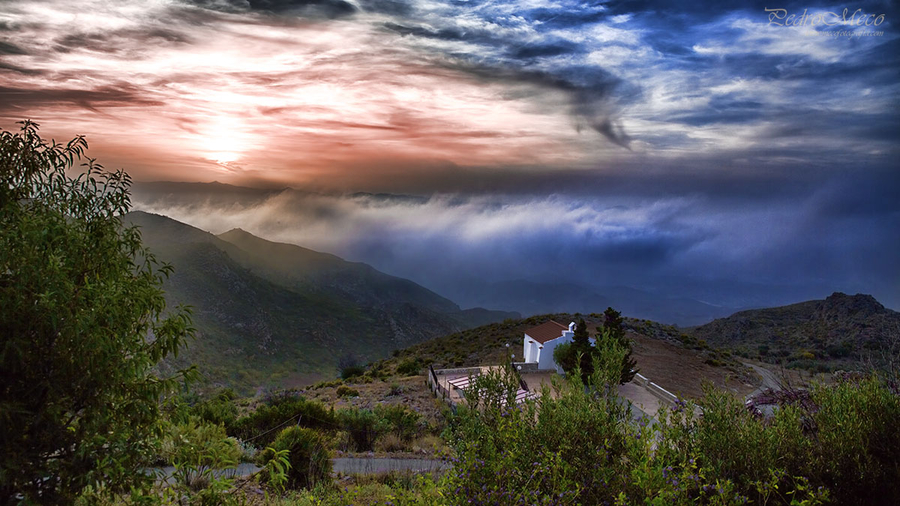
pixel 260 325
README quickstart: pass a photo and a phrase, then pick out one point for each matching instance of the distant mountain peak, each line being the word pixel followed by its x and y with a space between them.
pixel 842 304
pixel 235 231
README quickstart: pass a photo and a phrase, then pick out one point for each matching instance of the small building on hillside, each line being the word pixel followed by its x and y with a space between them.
pixel 540 342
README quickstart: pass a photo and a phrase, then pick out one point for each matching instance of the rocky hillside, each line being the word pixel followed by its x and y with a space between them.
pixel 272 314
pixel 845 330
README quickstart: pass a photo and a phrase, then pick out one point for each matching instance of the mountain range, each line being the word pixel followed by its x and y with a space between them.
pixel 278 314
pixel 376 228
pixel 274 314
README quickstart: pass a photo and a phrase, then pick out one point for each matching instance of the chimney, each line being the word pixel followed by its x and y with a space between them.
pixel 572 327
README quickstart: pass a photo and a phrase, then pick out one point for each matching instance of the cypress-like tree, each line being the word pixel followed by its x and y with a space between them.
pixel 614 330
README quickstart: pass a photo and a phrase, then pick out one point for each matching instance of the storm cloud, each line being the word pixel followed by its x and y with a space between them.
pixel 637 143
pixel 814 237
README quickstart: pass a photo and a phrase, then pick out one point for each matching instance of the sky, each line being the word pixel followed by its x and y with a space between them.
pixel 548 139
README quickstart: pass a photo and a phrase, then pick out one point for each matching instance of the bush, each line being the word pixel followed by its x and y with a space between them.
pixel 261 426
pixel 837 440
pixel 197 448
pixel 399 420
pixel 564 449
pixel 409 367
pixel 360 424
pixel 327 384
pixel 352 371
pixel 345 391
pixel 389 443
pixel 308 456
pixel 581 446
pixel 220 410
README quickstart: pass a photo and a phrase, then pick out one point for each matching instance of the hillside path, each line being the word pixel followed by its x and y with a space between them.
pixel 769 380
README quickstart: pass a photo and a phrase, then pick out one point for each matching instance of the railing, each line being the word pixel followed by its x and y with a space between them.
pixel 658 391
pixel 515 370
pixel 435 386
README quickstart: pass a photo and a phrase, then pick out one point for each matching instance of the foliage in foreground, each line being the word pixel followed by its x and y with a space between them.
pixel 583 447
pixel 577 445
pixel 83 321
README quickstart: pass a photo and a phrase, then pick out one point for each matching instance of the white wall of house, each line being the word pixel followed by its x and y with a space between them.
pixel 529 349
pixel 545 361
pixel 534 351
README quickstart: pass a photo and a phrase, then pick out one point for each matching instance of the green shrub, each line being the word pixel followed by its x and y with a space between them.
pixel 378 370
pixel 220 410
pixel 352 371
pixel 260 427
pixel 308 456
pixel 345 391
pixel 564 449
pixel 327 384
pixel 409 367
pixel 857 455
pixel 197 448
pixel 399 420
pixel 360 424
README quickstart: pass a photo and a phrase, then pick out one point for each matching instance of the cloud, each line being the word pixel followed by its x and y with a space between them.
pixel 8 48
pixel 834 233
pixel 132 41
pixel 23 99
pixel 328 9
pixel 734 130
pixel 421 84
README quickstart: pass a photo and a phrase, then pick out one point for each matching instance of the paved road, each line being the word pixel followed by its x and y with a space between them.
pixel 769 380
pixel 350 465
pixel 245 469
pixel 346 465
pixel 641 400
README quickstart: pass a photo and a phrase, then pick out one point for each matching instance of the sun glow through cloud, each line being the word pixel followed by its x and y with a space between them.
pixel 442 97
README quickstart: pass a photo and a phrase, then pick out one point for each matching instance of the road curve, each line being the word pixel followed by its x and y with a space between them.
pixel 769 380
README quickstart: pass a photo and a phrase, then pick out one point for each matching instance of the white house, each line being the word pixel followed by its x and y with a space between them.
pixel 540 342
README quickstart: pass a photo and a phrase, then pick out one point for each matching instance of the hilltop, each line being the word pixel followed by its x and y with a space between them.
pixel 842 331
pixel 279 315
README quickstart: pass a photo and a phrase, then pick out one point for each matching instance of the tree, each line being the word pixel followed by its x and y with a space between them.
pixel 580 337
pixel 614 331
pixel 83 322
pixel 567 354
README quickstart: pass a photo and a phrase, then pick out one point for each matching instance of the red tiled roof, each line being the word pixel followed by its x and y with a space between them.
pixel 546 331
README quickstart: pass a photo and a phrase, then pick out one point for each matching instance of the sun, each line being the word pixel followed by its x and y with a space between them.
pixel 224 156
pixel 224 140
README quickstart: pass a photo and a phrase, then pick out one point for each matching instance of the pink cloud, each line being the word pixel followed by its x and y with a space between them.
pixel 239 96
